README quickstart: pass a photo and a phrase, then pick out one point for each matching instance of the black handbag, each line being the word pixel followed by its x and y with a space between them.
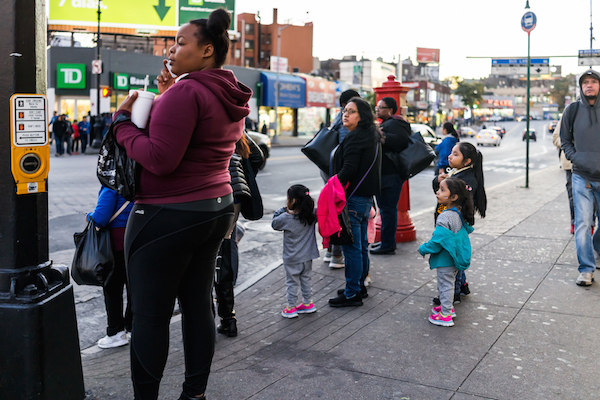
pixel 319 148
pixel 115 170
pixel 414 159
pixel 93 260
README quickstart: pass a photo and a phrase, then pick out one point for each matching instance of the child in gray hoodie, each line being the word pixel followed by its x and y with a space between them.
pixel 297 221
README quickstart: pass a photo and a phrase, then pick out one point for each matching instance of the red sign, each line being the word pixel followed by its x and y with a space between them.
pixel 428 55
pixel 319 92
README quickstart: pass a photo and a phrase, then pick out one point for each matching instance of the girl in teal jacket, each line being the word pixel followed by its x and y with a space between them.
pixel 450 247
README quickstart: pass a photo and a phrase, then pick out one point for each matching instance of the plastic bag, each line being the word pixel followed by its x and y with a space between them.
pixel 93 260
pixel 115 170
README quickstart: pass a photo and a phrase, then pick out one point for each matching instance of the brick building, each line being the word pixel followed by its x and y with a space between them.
pixel 257 42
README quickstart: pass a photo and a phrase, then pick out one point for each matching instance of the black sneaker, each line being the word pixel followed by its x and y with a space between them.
pixel 363 292
pixel 436 300
pixel 342 301
pixel 464 289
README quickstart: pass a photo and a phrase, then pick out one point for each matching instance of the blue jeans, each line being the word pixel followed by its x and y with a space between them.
pixel 391 185
pixel 583 200
pixel 461 279
pixel 357 253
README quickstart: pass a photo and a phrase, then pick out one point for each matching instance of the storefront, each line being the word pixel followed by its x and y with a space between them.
pixel 320 97
pixel 292 96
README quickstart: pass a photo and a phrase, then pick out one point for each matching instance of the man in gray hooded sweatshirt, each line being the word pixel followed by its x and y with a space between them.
pixel 580 140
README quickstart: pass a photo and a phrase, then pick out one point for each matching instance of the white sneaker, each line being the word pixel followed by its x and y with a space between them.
pixel 327 257
pixel 337 262
pixel 118 340
pixel 585 279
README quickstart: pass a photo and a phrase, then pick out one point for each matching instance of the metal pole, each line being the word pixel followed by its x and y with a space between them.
pixel 591 28
pixel 527 138
pixel 279 29
pixel 96 123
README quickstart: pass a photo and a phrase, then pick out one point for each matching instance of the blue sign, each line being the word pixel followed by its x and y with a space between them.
pixel 519 61
pixel 528 21
pixel 292 90
pixel 589 53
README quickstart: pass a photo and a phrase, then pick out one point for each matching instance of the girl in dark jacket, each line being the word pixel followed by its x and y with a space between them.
pixel 357 162
pixel 467 164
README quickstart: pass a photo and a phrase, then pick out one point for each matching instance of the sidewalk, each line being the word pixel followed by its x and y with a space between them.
pixel 525 332
pixel 287 140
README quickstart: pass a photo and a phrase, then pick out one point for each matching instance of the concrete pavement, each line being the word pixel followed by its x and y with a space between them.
pixel 525 332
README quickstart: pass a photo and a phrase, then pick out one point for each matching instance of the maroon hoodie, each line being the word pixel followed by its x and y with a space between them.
pixel 185 149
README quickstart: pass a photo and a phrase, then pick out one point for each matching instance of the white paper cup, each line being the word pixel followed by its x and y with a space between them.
pixel 141 108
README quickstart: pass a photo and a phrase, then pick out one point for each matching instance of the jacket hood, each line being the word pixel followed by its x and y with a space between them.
pixel 222 83
pixel 593 74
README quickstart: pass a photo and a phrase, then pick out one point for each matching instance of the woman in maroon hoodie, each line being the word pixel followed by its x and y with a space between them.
pixel 184 204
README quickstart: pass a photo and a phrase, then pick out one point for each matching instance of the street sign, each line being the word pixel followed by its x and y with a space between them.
pixel 589 57
pixel 96 67
pixel 28 122
pixel 518 66
pixel 528 21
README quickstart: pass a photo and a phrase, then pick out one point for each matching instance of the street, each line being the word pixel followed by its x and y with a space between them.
pixel 73 189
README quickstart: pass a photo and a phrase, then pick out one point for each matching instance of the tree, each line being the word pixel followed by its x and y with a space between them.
pixel 471 93
pixel 560 89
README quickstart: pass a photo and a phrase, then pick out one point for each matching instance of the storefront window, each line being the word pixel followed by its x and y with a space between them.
pixel 310 120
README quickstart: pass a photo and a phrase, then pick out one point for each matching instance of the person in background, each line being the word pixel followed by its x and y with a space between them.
pixel 334 254
pixel 60 127
pixel 264 129
pixel 396 132
pixel 51 125
pixel 184 202
pixel 84 131
pixel 76 138
pixel 445 147
pixel 112 212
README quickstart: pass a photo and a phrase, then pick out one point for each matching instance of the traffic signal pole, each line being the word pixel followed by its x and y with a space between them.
pixel 39 343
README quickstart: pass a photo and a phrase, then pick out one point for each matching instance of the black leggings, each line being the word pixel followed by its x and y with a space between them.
pixel 171 253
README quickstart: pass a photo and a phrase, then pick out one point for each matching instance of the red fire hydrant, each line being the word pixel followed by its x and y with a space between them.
pixel 405 231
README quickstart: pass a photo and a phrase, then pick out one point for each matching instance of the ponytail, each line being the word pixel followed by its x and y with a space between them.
pixel 304 205
pixel 479 196
pixel 450 129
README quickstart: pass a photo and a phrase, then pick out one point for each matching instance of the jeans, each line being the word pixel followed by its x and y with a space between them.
pixel 171 253
pixel 58 141
pixel 570 194
pixel 84 142
pixel 461 279
pixel 357 253
pixel 391 185
pixel 583 200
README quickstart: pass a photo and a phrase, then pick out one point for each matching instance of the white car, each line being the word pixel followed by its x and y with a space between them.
pixel 465 131
pixel 427 133
pixel 488 136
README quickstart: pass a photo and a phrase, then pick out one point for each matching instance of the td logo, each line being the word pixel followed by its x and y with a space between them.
pixel 70 76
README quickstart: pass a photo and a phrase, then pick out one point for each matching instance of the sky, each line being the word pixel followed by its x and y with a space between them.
pixel 459 28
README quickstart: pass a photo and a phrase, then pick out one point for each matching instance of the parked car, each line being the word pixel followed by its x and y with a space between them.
pixel 428 134
pixel 552 126
pixel 532 135
pixel 488 136
pixel 264 142
pixel 495 118
pixel 466 131
pixel 501 131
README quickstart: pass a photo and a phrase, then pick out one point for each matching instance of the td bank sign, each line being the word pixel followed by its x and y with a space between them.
pixel 70 76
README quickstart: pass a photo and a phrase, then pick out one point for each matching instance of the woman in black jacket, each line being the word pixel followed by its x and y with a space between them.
pixel 396 132
pixel 357 162
pixel 243 167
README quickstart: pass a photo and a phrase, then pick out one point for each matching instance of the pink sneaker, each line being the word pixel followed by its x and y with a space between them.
pixel 289 312
pixel 306 308
pixel 441 320
pixel 438 309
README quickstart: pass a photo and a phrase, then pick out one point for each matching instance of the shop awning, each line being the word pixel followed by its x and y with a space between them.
pixel 292 90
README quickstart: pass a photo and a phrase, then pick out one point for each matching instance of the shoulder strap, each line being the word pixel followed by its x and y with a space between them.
pixel 572 119
pixel 367 173
pixel 119 211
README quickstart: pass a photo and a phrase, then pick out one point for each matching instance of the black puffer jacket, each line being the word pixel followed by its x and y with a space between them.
pixel 243 181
